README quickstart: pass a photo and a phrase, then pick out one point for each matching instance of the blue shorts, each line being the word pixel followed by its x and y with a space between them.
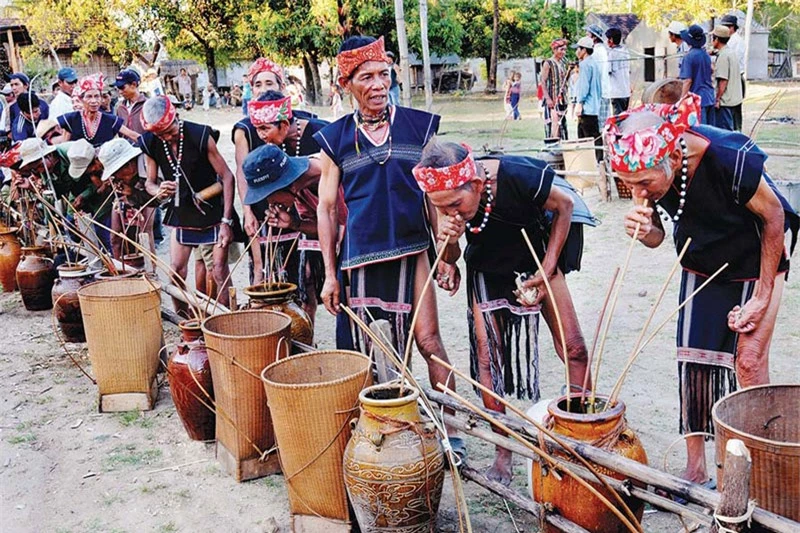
pixel 197 237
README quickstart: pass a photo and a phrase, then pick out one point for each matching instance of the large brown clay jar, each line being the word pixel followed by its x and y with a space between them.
pixel 190 383
pixel 393 464
pixel 283 297
pixel 10 252
pixel 605 429
pixel 66 304
pixel 35 277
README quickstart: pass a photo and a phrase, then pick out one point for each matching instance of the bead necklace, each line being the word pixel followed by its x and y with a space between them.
pixel 92 127
pixel 296 147
pixel 384 121
pixel 684 179
pixel 174 164
pixel 373 124
pixel 486 210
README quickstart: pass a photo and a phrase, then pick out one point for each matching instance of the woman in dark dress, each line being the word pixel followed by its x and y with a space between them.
pixel 492 200
pixel 91 123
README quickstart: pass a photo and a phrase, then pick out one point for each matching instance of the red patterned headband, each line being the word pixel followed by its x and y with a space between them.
pixel 267 112
pixel 10 157
pixel 432 179
pixel 350 60
pixel 647 147
pixel 262 64
pixel 93 82
pixel 164 122
pixel 558 43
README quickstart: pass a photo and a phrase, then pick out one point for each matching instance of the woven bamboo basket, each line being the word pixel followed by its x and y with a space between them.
pixel 312 398
pixel 122 321
pixel 767 419
pixel 240 345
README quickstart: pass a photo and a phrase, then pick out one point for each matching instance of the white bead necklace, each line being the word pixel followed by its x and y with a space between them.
pixel 684 179
pixel 93 127
pixel 175 165
pixel 486 210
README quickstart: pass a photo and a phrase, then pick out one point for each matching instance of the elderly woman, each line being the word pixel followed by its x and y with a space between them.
pixel 91 123
pixel 491 200
pixel 712 185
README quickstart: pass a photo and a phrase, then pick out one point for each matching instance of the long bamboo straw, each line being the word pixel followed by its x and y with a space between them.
pixel 410 341
pixel 555 310
pixel 541 428
pixel 634 240
pixel 541 453
pixel 235 265
pixel 596 335
pixel 618 385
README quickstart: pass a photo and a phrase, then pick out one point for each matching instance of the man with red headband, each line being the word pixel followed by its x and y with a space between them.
pixel 712 186
pixel 277 123
pixel 490 201
pixel 385 252
pixel 554 89
pixel 186 155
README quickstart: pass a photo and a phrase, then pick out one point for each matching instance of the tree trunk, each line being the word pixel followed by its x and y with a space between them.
pixel 402 43
pixel 491 81
pixel 426 54
pixel 313 80
pixel 211 66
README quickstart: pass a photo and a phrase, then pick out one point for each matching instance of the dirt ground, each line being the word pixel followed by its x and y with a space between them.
pixel 66 468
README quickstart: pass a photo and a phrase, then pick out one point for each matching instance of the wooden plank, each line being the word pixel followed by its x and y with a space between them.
pixel 314 524
pixel 129 401
pixel 247 469
pixel 736 489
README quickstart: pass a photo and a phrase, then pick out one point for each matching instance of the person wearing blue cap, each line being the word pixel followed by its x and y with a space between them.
pixel 285 191
pixel 129 108
pixel 62 102
pixel 696 72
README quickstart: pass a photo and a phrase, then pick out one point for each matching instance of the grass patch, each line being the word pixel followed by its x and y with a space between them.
pixel 23 438
pixel 152 489
pixel 169 527
pixel 135 418
pixel 128 455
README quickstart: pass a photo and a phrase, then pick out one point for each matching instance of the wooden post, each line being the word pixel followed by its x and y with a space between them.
pixel 736 490
pixel 402 43
pixel 426 54
pixel 383 366
pixel 12 51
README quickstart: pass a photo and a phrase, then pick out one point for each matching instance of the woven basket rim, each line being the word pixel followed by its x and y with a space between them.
pixel 789 446
pixel 318 384
pixel 268 333
pixel 151 285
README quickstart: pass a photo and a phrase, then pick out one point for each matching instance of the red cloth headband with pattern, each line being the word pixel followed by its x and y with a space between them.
pixel 432 179
pixel 10 157
pixel 267 112
pixel 647 147
pixel 92 82
pixel 558 43
pixel 350 60
pixel 164 122
pixel 262 64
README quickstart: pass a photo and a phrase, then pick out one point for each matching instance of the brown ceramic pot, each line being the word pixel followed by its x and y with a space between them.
pixel 190 383
pixel 605 429
pixel 134 260
pixel 10 252
pixel 283 297
pixel 393 464
pixel 65 300
pixel 35 277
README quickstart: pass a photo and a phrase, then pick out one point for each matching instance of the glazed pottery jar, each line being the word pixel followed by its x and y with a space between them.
pixel 190 382
pixel 65 300
pixel 35 277
pixel 10 252
pixel 283 297
pixel 393 464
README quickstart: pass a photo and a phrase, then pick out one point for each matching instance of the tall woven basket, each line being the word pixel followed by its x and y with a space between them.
pixel 767 419
pixel 312 398
pixel 122 321
pixel 240 345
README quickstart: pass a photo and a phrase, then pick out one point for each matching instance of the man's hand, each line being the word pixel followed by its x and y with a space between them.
pixel 746 319
pixel 225 236
pixel 550 103
pixel 578 110
pixel 167 189
pixel 448 277
pixel 330 295
pixel 450 229
pixel 279 217
pixel 78 203
pixel 536 282
pixel 250 221
pixel 641 215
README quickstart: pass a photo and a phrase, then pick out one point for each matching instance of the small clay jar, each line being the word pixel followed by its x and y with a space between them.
pixel 35 276
pixel 133 260
pixel 283 297
pixel 10 253
pixel 190 382
pixel 66 303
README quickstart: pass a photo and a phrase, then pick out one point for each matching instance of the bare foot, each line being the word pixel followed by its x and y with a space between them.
pixel 501 469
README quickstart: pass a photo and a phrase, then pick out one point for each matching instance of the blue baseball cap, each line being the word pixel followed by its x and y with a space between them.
pixel 67 74
pixel 694 36
pixel 268 169
pixel 21 77
pixel 126 76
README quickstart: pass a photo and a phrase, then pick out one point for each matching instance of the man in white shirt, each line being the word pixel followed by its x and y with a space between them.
pixel 674 32
pixel 600 56
pixel 736 44
pixel 619 67
pixel 62 102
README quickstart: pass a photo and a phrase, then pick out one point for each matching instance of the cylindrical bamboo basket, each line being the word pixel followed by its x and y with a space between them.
pixel 122 321
pixel 240 345
pixel 767 419
pixel 312 398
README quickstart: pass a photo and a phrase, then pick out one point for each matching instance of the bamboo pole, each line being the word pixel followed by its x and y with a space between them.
pixel 596 335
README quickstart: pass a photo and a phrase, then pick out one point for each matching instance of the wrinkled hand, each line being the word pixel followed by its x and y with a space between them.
pixel 77 203
pixel 641 215
pixel 167 189
pixel 746 319
pixel 225 236
pixel 250 221
pixel 330 295
pixel 450 229
pixel 537 283
pixel 448 277
pixel 279 217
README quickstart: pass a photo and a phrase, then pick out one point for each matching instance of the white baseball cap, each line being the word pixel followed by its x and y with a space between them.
pixel 115 154
pixel 676 27
pixel 584 42
pixel 81 154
